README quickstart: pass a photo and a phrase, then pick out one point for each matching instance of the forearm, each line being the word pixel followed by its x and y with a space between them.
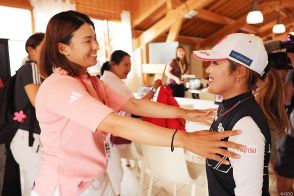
pixel 151 109
pixel 140 131
pixel 171 76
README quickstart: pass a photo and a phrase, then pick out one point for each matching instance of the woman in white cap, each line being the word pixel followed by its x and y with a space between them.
pixel 237 63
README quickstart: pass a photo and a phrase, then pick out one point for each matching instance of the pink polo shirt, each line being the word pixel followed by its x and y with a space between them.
pixel 73 153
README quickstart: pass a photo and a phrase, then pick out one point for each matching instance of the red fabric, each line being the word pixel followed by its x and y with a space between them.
pixel 165 96
pixel 1 83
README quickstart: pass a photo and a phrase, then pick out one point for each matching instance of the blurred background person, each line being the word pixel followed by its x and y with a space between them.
pixel 112 73
pixel 25 144
pixel 175 70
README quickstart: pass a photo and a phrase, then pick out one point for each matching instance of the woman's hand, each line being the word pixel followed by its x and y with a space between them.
pixel 157 84
pixel 203 116
pixel 179 81
pixel 208 144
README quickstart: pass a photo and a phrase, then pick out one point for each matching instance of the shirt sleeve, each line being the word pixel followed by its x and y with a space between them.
pixel 29 74
pixel 65 96
pixel 115 100
pixel 248 170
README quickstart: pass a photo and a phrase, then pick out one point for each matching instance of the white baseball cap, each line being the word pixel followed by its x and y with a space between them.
pixel 245 49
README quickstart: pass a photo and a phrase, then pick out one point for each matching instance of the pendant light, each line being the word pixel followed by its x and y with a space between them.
pixel 254 16
pixel 279 27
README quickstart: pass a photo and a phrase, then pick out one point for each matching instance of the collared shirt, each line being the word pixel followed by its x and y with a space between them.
pixel 73 151
pixel 117 85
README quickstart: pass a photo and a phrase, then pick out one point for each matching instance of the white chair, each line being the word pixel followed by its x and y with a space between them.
pixel 171 166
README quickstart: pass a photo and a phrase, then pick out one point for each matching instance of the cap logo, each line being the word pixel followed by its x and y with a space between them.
pixel 205 53
pixel 240 57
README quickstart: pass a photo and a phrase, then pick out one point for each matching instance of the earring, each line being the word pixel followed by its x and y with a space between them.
pixel 237 80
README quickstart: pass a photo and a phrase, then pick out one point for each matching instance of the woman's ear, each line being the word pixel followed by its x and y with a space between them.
pixel 63 49
pixel 241 72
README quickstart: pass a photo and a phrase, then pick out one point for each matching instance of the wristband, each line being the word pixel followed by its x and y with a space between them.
pixel 172 141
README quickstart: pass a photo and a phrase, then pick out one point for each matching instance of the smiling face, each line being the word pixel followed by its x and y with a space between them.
pixel 123 68
pixel 181 53
pixel 83 47
pixel 221 78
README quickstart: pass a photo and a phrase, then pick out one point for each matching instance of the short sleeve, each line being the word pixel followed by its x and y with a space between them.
pixel 248 170
pixel 115 100
pixel 65 96
pixel 29 74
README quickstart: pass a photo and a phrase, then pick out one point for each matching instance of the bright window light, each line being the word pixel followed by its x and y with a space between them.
pixel 17 29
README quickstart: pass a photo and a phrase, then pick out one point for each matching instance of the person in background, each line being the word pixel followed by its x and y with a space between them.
pixel 175 70
pixel 237 62
pixel 25 144
pixel 112 73
pixel 81 109
pixel 285 144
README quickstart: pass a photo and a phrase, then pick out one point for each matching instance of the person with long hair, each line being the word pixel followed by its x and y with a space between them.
pixel 112 73
pixel 175 70
pixel 238 60
pixel 75 110
pixel 272 101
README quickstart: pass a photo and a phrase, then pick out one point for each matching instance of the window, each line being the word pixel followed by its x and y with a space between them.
pixel 16 25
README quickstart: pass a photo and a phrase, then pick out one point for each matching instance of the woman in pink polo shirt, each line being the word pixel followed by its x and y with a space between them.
pixel 75 110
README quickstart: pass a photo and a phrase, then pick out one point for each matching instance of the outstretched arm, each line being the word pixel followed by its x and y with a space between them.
pixel 157 110
pixel 203 143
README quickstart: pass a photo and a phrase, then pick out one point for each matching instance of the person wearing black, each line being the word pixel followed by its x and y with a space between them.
pixel 238 61
pixel 25 144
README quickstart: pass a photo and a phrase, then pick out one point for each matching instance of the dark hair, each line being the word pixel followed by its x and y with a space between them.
pixel 115 58
pixel 34 40
pixel 60 29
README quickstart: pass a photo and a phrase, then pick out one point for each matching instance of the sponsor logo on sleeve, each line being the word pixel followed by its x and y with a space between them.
pixel 250 150
pixel 74 97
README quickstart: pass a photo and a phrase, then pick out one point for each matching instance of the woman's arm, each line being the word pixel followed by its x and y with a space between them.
pixel 153 90
pixel 157 110
pixel 203 143
pixel 31 91
pixel 172 76
pixel 249 169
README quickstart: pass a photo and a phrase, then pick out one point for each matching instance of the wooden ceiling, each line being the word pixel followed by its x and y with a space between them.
pixel 163 20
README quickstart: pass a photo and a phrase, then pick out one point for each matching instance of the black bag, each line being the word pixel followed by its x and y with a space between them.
pixel 8 126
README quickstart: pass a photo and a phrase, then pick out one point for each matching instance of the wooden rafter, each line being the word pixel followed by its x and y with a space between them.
pixel 174 30
pixel 265 7
pixel 147 13
pixel 164 24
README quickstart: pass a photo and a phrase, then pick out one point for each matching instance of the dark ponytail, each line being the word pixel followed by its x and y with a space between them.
pixel 105 66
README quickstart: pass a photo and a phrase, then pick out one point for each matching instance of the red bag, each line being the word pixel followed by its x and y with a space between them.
pixel 165 96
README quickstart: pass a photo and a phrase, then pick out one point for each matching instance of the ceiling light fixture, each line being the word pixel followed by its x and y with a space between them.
pixel 254 16
pixel 279 27
pixel 190 13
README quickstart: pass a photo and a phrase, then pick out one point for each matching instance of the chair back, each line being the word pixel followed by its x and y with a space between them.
pixel 168 165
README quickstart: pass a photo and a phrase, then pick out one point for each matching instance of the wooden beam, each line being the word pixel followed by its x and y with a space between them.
pixel 25 4
pixel 148 12
pixel 265 7
pixel 267 26
pixel 174 30
pixel 223 20
pixel 169 4
pixel 211 40
pixel 164 24
pixel 212 17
